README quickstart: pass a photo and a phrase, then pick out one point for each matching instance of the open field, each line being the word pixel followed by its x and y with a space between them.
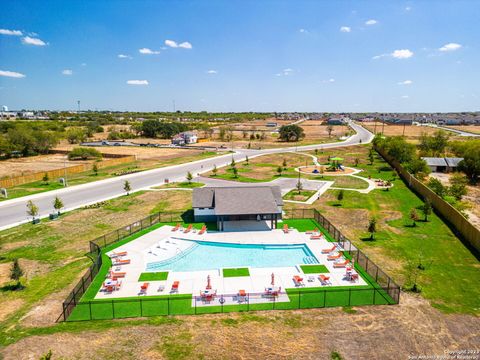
pixel 32 164
pixel 469 128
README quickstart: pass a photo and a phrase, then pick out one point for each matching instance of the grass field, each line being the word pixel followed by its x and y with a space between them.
pixel 303 195
pixel 153 276
pixel 314 269
pixel 236 272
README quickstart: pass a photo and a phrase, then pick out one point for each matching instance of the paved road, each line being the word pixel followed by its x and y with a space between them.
pixel 12 212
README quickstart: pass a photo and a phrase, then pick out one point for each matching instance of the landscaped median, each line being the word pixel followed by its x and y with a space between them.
pixel 89 308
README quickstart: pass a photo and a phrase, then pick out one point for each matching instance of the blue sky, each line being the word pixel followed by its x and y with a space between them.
pixel 401 56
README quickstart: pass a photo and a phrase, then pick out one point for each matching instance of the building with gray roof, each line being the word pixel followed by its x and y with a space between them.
pixel 222 204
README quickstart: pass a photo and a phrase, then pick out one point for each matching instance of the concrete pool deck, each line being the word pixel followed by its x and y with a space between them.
pixel 163 243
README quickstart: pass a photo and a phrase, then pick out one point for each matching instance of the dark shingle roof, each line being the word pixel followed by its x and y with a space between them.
pixel 431 161
pixel 240 200
pixel 453 162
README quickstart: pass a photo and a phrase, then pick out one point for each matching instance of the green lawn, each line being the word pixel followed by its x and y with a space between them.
pixel 304 195
pixel 236 272
pixel 181 185
pixel 314 269
pixel 153 276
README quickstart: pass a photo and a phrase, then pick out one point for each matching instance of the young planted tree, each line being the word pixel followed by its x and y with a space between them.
pixel 233 163
pixel 279 171
pixel 246 160
pixel 371 157
pixel 16 272
pixel 32 209
pixel 46 178
pixel 299 186
pixel 426 209
pixel 235 172
pixel 214 170
pixel 95 169
pixel 189 177
pixel 357 161
pixel 372 227
pixel 329 130
pixel 340 196
pixel 414 216
pixel 284 164
pixel 57 204
pixel 127 187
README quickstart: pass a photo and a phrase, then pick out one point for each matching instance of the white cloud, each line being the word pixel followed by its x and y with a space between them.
pixel 123 56
pixel 303 31
pixel 450 47
pixel 10 32
pixel 137 82
pixel 371 22
pixel 405 96
pixel 83 64
pixel 33 41
pixel 171 43
pixel 212 72
pixel 408 8
pixel 12 74
pixel 285 72
pixel 67 72
pixel 402 54
pixel 147 51
pixel 331 80
pixel 174 44
pixel 346 29
pixel 406 82
pixel 185 45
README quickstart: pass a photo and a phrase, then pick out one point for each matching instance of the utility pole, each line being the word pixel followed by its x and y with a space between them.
pixel 404 123
pixel 78 104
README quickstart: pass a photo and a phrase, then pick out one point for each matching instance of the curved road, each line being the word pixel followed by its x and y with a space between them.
pixel 459 132
pixel 13 212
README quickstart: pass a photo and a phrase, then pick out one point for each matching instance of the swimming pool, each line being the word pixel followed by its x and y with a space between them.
pixel 204 255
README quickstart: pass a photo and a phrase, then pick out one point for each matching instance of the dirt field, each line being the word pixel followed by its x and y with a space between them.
pixel 412 132
pixel 32 164
pixel 377 332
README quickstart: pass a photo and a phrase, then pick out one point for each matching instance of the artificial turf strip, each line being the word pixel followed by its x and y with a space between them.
pixel 314 269
pixel 234 272
pixel 303 225
pixel 153 276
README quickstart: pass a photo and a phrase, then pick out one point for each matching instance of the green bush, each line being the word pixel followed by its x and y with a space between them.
pixel 82 153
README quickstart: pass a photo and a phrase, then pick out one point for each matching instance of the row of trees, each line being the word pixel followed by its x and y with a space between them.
pixel 161 129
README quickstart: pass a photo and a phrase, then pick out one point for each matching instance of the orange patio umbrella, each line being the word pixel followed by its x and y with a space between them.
pixel 209 286
pixel 273 279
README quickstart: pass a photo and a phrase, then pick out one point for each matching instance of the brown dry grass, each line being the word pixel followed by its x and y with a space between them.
pixel 32 164
pixel 469 128
pixel 377 332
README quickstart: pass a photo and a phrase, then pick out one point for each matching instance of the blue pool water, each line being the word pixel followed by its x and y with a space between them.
pixel 204 255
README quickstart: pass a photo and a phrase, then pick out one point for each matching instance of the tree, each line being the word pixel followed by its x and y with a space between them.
pixel 95 169
pixel 233 163
pixel 299 186
pixel 458 186
pixel 47 356
pixel 75 135
pixel 189 177
pixel 46 178
pixel 214 170
pixel 418 168
pixel 284 164
pixel 32 209
pixel 291 133
pixel 357 161
pixel 222 132
pixel 435 144
pixel 340 196
pixel 426 209
pixel 127 187
pixel 84 153
pixel 57 204
pixel 235 172
pixel 16 271
pixel 371 157
pixel 246 159
pixel 437 187
pixel 279 171
pixel 372 227
pixel 414 216
pixel 470 164
pixel 329 130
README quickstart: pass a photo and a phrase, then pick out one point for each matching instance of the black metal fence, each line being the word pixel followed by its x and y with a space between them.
pixel 383 291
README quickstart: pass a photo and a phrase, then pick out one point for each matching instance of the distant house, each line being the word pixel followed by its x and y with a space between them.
pixel 187 137
pixel 271 124
pixel 241 203
pixel 442 164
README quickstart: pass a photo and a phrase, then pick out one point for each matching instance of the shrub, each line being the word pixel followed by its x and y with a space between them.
pixel 82 153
